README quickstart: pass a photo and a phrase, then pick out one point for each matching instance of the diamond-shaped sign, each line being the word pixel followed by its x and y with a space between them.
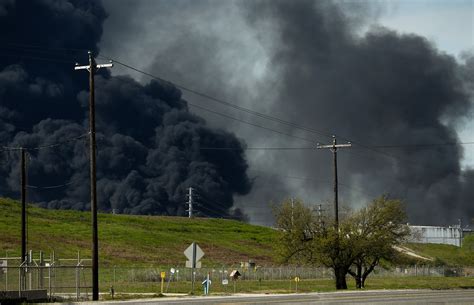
pixel 189 264
pixel 189 252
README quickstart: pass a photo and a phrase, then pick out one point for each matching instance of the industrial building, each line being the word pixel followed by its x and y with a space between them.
pixel 451 235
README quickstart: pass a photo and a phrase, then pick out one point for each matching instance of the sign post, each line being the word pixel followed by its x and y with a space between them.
pixel 163 276
pixel 206 284
pixel 172 272
pixel 193 253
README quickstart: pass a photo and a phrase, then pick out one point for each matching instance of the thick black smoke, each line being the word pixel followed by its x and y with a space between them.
pixel 308 62
pixel 381 88
pixel 149 144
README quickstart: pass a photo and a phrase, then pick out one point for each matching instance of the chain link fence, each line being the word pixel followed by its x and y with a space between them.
pixel 45 277
pixel 71 278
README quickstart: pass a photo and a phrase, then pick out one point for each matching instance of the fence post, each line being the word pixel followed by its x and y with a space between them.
pixel 78 278
pixel 49 280
pixel 19 281
pixel 41 263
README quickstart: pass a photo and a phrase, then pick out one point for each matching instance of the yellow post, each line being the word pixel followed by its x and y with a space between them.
pixel 163 275
pixel 297 279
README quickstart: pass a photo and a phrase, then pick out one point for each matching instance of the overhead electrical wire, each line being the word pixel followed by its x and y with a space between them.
pixel 257 148
pixel 9 148
pixel 312 179
pixel 41 53
pixel 22 56
pixel 373 148
pixel 42 48
pixel 249 123
pixel 256 113
pixel 220 101
pixel 52 186
pixel 55 51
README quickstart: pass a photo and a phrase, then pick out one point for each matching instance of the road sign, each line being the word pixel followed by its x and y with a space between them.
pixel 297 279
pixel 225 282
pixel 163 274
pixel 194 254
pixel 189 252
pixel 189 264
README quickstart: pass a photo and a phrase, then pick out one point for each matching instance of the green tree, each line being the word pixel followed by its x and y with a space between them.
pixel 355 247
pixel 305 238
pixel 376 229
pixel 298 227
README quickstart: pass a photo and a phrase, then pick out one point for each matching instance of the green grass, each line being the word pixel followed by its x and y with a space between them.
pixel 447 254
pixel 127 240
pixel 134 240
pixel 313 285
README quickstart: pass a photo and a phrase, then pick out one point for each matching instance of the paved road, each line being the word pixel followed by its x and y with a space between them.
pixel 385 297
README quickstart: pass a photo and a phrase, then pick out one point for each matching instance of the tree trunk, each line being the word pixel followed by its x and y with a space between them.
pixel 368 271
pixel 340 274
pixel 358 278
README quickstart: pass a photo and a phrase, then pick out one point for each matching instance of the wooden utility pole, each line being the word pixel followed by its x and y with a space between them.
pixel 23 205
pixel 92 68
pixel 334 148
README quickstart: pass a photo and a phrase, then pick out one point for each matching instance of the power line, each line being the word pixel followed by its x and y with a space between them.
pixel 53 186
pixel 257 148
pixel 220 101
pixel 52 145
pixel 373 148
pixel 40 47
pixel 22 56
pixel 259 114
pixel 401 146
pixel 422 145
pixel 313 179
pixel 249 123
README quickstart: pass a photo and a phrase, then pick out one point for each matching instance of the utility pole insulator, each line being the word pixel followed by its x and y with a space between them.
pixel 334 147
pixel 92 68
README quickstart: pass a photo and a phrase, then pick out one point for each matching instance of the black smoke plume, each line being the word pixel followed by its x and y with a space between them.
pixel 379 88
pixel 312 63
pixel 149 144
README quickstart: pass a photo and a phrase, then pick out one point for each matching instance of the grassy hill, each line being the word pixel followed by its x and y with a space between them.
pixel 159 240
pixel 446 254
pixel 137 240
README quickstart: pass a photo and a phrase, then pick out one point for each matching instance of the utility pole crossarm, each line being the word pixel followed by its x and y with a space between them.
pixel 110 65
pixel 334 146
pixel 81 67
pixel 96 66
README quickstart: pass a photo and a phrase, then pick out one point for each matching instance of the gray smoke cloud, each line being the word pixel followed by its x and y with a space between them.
pixel 313 63
pixel 149 143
